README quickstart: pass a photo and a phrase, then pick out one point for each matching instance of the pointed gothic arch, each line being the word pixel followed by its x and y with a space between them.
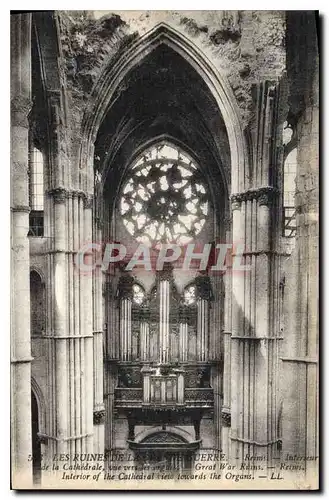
pixel 174 430
pixel 114 74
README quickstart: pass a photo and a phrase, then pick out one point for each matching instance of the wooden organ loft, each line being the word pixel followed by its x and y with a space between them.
pixel 162 372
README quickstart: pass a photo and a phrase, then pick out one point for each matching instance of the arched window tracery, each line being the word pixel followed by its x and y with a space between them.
pixel 165 197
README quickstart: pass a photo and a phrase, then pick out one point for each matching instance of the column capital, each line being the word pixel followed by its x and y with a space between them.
pixel 166 274
pixel 203 287
pixel 99 417
pixel 226 417
pixel 264 195
pixel 125 286
pixel 59 194
pixel 77 193
pixel 236 202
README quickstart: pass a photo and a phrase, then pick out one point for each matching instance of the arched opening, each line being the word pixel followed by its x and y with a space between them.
pixel 37 304
pixel 166 452
pixel 163 97
pixel 36 445
pixel 162 350
pixel 114 81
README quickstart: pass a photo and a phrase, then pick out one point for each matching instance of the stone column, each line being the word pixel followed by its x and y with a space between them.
pixel 125 295
pixel 59 343
pixel 203 297
pixel 254 339
pixel 226 406
pixel 112 320
pixel 70 427
pixel 99 409
pixel 87 280
pixel 300 352
pixel 226 403
pixel 21 444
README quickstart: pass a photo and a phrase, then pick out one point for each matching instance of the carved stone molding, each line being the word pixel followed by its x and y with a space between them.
pixel 88 202
pixel 166 274
pixel 226 417
pixel 264 195
pixel 235 202
pixel 21 208
pixel 203 287
pixel 77 193
pixel 20 109
pixel 125 287
pixel 99 417
pixel 59 194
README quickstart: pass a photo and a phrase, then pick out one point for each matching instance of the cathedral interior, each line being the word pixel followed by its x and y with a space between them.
pixel 180 127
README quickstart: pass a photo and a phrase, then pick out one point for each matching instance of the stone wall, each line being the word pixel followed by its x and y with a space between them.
pixel 300 349
pixel 245 46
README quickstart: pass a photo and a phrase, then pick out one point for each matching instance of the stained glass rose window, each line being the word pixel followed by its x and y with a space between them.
pixel 165 198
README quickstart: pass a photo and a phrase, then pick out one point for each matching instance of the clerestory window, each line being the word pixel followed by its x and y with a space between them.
pixel 36 192
pixel 289 191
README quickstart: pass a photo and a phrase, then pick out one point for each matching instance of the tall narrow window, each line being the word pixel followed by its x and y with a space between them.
pixel 289 190
pixel 36 171
pixel 37 304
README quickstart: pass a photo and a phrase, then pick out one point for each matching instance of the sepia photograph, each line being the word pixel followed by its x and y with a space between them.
pixel 164 250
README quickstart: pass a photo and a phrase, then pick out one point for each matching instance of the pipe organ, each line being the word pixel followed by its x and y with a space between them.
pixel 162 372
pixel 168 330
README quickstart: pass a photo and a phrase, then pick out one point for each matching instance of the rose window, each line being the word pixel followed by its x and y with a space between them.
pixel 164 199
